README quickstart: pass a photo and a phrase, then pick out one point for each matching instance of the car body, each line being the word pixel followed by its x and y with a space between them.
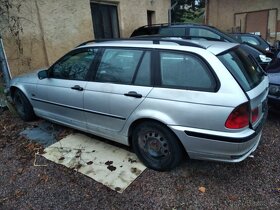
pixel 139 93
pixel 273 72
pixel 201 32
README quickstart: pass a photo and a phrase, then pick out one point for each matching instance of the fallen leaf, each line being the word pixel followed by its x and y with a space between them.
pixel 44 178
pixel 233 197
pixel 20 170
pixel 12 179
pixel 18 193
pixel 30 146
pixel 202 189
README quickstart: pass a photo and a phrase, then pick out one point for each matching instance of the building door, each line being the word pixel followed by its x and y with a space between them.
pixel 257 22
pixel 150 17
pixel 105 21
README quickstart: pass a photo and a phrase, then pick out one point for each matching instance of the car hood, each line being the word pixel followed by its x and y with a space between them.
pixel 274 78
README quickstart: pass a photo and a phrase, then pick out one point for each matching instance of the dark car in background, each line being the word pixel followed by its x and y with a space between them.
pixel 198 32
pixel 273 72
pixel 253 39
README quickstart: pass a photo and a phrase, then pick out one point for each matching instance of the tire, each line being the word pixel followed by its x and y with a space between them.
pixel 156 146
pixel 23 106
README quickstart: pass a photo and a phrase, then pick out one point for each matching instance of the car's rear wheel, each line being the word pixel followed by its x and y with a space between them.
pixel 23 106
pixel 156 146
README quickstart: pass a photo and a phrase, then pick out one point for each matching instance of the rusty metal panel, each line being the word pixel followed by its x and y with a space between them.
pixel 112 166
pixel 257 22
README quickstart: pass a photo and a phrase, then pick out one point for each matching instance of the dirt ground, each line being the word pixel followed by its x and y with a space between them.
pixel 251 184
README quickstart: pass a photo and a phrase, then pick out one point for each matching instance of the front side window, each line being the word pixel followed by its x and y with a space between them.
pixel 243 67
pixel 118 65
pixel 74 66
pixel 185 71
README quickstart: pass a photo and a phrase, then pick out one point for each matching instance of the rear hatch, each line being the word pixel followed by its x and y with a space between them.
pixel 251 78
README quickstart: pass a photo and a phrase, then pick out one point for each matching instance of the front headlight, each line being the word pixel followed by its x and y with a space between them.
pixel 274 90
pixel 264 59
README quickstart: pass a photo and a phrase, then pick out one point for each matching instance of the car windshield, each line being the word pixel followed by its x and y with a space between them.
pixel 243 67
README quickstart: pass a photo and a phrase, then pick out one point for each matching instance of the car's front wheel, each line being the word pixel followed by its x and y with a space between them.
pixel 156 146
pixel 23 106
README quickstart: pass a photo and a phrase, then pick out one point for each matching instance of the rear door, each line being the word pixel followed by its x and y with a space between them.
pixel 121 83
pixel 252 80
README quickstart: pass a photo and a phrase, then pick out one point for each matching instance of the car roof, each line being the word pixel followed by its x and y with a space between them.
pixel 215 47
pixel 247 34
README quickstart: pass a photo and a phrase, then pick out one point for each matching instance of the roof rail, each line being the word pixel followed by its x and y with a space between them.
pixel 171 24
pixel 154 39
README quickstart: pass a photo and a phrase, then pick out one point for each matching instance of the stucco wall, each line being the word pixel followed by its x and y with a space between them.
pixel 221 12
pixel 133 13
pixel 52 28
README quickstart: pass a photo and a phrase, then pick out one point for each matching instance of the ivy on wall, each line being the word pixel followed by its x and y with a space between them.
pixel 187 11
pixel 10 21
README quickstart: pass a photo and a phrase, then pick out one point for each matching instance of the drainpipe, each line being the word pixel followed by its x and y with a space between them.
pixel 169 12
pixel 206 20
pixel 4 65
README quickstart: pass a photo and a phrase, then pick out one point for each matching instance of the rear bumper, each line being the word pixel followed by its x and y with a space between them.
pixel 218 146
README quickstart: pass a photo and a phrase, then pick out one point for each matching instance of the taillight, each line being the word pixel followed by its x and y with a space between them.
pixel 239 117
pixel 255 115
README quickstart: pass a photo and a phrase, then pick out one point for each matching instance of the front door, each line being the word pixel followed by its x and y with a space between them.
pixel 60 97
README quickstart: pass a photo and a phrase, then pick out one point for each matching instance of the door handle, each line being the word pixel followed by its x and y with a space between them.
pixel 77 87
pixel 133 94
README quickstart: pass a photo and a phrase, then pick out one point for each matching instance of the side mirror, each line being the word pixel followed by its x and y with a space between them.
pixel 43 74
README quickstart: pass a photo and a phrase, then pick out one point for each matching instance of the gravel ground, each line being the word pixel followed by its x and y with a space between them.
pixel 251 184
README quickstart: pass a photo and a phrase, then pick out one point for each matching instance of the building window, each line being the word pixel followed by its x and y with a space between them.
pixel 150 17
pixel 105 21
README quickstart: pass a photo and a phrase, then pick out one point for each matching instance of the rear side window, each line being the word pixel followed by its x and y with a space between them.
pixel 243 67
pixel 118 65
pixel 173 31
pixel 185 71
pixel 200 32
pixel 125 66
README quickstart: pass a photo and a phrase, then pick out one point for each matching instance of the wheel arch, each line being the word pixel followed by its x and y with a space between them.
pixel 22 89
pixel 13 90
pixel 142 120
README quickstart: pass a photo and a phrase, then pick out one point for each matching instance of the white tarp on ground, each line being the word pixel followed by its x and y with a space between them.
pixel 107 164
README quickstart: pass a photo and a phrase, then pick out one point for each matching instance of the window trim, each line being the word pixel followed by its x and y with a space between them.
pixel 71 53
pixel 202 60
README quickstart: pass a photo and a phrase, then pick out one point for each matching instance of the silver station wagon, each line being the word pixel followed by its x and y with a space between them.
pixel 166 98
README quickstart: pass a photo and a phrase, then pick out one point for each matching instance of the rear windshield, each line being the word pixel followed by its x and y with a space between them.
pixel 243 67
